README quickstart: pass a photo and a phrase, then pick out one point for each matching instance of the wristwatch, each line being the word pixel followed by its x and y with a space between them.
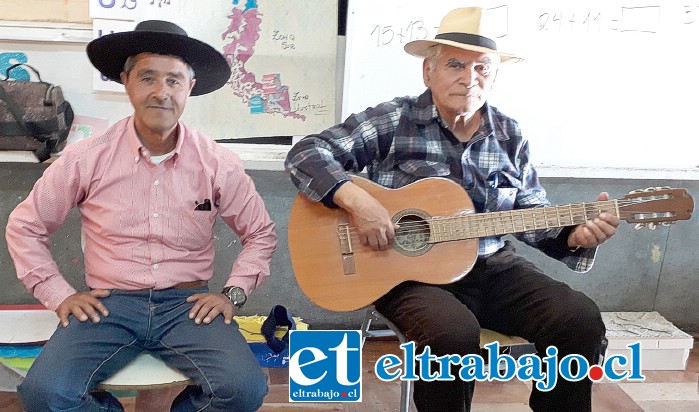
pixel 236 295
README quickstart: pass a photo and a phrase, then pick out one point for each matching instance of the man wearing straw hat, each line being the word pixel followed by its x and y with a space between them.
pixel 451 131
pixel 149 191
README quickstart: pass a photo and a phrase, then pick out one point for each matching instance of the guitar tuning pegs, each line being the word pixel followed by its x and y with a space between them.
pixel 650 189
pixel 649 225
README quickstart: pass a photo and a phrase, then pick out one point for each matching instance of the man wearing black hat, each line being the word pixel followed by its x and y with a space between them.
pixel 451 131
pixel 149 191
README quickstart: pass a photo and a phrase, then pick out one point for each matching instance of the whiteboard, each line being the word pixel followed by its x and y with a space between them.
pixel 604 83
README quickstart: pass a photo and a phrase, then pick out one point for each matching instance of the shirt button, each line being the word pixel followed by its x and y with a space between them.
pixel 135 159
pixel 156 266
pixel 157 182
pixel 155 215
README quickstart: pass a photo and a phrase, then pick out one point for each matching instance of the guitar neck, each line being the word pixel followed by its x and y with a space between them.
pixel 445 229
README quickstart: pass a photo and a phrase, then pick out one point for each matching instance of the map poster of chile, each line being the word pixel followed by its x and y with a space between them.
pixel 282 55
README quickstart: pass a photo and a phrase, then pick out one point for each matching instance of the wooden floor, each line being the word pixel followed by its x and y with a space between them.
pixel 663 391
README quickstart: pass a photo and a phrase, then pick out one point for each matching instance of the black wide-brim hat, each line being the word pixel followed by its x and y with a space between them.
pixel 109 53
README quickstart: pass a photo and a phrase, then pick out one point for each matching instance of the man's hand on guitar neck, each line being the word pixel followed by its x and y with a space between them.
pixel 371 221
pixel 596 231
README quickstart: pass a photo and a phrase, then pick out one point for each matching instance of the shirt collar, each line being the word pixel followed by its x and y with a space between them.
pixel 426 112
pixel 139 150
pixel 490 124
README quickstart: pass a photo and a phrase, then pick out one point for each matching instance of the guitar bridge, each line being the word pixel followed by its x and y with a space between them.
pixel 345 238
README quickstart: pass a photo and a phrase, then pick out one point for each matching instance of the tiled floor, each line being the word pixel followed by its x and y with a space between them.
pixel 663 391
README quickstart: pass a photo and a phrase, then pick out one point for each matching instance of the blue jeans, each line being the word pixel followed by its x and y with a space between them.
pixel 77 358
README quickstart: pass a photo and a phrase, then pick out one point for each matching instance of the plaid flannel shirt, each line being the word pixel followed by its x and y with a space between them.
pixel 401 141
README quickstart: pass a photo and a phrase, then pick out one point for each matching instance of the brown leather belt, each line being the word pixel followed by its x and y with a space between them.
pixel 195 284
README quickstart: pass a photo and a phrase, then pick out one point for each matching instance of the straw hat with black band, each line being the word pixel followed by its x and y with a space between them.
pixel 464 28
pixel 109 53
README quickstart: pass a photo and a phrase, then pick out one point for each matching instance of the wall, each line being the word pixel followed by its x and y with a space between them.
pixel 635 271
pixel 66 11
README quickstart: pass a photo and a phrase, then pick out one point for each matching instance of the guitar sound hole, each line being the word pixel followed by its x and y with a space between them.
pixel 413 235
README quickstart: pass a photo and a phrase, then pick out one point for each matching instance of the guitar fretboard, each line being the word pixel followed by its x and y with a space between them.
pixel 444 229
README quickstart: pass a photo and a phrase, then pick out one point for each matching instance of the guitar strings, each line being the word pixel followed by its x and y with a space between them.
pixel 576 214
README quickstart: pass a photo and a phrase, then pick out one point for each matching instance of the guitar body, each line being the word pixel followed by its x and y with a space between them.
pixel 338 273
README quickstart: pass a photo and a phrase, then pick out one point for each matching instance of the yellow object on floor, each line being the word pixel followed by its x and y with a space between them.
pixel 250 327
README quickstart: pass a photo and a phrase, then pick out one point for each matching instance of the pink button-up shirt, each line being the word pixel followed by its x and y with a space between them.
pixel 139 222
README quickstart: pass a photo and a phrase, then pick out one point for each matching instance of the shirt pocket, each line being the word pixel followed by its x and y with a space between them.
pixel 196 228
pixel 502 198
pixel 502 190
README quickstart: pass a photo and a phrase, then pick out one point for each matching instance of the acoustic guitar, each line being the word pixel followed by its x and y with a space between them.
pixel 437 241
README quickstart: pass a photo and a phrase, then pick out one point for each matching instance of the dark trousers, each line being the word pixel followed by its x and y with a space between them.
pixel 508 294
